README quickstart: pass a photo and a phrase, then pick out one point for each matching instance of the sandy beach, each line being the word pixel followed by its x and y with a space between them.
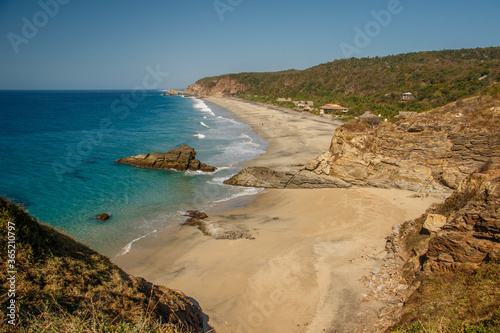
pixel 302 271
pixel 294 137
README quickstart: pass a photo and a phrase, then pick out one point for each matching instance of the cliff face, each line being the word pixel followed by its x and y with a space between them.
pixel 64 286
pixel 431 152
pixel 443 268
pixel 218 87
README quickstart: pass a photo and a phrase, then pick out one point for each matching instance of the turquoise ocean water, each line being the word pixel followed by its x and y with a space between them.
pixel 58 150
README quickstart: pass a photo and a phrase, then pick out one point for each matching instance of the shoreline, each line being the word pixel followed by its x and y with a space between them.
pixel 302 271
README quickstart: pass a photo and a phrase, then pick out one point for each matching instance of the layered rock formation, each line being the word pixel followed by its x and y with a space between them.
pixel 431 152
pixel 471 234
pixel 267 178
pixel 180 159
pixel 456 237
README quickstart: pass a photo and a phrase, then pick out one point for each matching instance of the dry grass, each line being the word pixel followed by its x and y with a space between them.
pixel 62 285
pixel 460 302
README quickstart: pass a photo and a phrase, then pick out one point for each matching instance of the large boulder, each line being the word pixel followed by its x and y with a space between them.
pixel 180 159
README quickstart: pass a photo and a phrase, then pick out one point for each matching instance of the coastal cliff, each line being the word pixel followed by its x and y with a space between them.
pixel 448 261
pixel 432 152
pixel 58 284
pixel 218 87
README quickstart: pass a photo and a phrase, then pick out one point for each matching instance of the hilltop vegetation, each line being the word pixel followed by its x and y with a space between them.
pixel 434 78
pixel 64 286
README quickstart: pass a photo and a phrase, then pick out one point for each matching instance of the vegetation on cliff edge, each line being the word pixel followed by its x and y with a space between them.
pixel 434 78
pixel 64 286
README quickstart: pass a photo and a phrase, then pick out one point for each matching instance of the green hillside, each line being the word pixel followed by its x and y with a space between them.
pixel 434 78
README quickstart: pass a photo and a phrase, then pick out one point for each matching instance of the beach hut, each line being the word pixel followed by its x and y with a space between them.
pixel 331 108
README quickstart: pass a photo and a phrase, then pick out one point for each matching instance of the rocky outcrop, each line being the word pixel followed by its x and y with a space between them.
pixel 216 229
pixel 471 234
pixel 180 159
pixel 218 87
pixel 421 249
pixel 267 178
pixel 102 217
pixel 432 152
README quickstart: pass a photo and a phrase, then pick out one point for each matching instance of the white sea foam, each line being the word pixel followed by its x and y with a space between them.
pixel 199 104
pixel 200 136
pixel 218 180
pixel 243 193
pixel 194 173
pixel 204 125
pixel 228 119
pixel 128 247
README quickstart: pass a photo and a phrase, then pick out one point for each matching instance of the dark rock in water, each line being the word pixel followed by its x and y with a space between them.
pixel 180 159
pixel 102 217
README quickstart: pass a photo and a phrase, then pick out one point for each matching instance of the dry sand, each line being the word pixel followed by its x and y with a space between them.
pixel 302 271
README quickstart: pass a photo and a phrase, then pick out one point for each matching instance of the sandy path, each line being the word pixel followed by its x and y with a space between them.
pixel 302 271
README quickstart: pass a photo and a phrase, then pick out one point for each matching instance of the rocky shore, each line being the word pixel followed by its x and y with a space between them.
pixel 180 159
pixel 432 152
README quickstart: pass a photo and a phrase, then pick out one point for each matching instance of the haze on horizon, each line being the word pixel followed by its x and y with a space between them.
pixel 69 44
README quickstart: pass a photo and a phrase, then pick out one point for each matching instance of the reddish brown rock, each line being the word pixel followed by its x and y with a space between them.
pixel 180 159
pixel 102 217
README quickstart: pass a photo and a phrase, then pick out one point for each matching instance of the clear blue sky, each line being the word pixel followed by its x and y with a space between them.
pixel 107 44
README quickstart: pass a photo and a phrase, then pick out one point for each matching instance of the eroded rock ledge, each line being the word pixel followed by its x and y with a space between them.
pixel 267 178
pixel 180 159
pixel 432 152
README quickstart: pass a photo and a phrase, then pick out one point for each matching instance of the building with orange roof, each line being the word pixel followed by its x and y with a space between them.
pixel 330 108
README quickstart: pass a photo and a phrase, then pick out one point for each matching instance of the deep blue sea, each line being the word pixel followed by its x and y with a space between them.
pixel 58 152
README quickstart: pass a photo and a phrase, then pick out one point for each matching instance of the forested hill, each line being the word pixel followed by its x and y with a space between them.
pixel 434 78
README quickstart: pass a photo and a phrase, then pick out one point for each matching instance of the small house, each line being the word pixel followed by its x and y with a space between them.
pixel 299 104
pixel 331 108
pixel 407 96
